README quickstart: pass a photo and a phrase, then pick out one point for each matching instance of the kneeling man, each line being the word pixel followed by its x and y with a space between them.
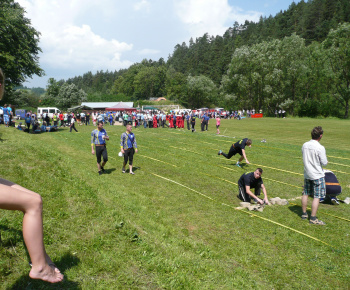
pixel 252 180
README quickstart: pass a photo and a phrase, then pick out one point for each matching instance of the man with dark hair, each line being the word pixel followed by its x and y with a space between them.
pixel 238 147
pixel 252 180
pixel 98 138
pixel 314 157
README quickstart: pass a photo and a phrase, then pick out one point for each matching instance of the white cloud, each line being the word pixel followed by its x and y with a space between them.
pixel 79 47
pixel 212 16
pixel 67 45
pixel 142 5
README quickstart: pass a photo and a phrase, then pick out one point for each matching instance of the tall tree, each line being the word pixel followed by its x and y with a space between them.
pixel 18 45
pixel 337 49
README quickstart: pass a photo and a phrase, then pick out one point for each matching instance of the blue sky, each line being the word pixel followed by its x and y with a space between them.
pixel 78 36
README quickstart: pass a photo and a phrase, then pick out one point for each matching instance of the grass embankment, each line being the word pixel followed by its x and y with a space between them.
pixel 174 224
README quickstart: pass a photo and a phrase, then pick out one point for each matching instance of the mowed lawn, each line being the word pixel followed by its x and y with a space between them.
pixel 174 224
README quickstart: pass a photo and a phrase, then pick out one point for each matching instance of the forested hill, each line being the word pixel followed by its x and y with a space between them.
pixel 296 60
pixel 211 55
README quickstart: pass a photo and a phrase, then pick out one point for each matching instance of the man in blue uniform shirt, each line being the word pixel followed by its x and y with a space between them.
pixel 98 139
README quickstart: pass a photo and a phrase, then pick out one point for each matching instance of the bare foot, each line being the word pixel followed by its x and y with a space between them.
pixel 46 273
pixel 51 264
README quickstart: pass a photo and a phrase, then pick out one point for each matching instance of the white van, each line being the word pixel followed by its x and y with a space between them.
pixel 49 110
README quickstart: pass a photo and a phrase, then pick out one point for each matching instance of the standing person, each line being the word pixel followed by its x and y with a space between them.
pixel 98 138
pixel 188 120
pixel 252 180
pixel 174 120
pixel 60 116
pixel 72 124
pixel 206 116
pixel 28 121
pixel 193 122
pixel 82 115
pixel 6 115
pixel 203 122
pixel 314 157
pixel 128 147
pixel 155 122
pixel 10 112
pixel 87 119
pixel 238 147
pixel 55 119
pixel 15 197
pixel 218 121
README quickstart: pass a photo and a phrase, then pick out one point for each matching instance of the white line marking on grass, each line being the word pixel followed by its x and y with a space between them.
pixel 277 169
pixel 157 160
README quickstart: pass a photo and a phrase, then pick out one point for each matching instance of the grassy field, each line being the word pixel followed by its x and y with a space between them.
pixel 174 224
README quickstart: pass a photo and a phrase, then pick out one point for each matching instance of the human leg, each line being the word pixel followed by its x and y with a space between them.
pixel 131 158
pixel 15 197
pixel 230 153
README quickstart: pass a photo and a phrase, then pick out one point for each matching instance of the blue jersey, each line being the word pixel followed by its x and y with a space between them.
pixel 128 141
pixel 97 137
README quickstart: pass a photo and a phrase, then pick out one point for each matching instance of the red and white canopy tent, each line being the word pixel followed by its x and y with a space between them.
pixel 121 107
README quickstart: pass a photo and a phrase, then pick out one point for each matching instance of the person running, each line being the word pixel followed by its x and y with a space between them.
pixel 314 157
pixel 98 139
pixel 128 147
pixel 218 121
pixel 15 197
pixel 238 147
pixel 252 180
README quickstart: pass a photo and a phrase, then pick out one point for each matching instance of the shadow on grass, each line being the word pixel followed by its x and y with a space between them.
pixel 65 263
pixel 109 170
pixel 297 210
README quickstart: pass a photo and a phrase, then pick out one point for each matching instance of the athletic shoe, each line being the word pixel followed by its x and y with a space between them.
pixel 103 170
pixel 316 221
pixel 123 170
pixel 334 201
pixel 132 173
pixel 220 152
pixel 100 172
pixel 304 216
pixel 322 199
pixel 237 164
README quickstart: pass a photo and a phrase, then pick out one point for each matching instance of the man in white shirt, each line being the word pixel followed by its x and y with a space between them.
pixel 314 157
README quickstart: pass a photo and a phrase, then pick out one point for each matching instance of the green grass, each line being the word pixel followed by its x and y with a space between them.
pixel 182 231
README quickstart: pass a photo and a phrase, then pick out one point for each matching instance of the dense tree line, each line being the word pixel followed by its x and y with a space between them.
pixel 296 60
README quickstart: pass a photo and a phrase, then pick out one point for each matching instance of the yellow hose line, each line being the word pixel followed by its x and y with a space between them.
pixel 251 214
pixel 338 217
pixel 157 160
pixel 277 223
pixel 208 197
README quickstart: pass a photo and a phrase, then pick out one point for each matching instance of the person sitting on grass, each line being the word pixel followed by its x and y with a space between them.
pixel 252 180
pixel 43 127
pixel 238 147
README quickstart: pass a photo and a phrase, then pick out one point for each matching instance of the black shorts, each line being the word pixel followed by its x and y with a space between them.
pixel 129 156
pixel 217 126
pixel 242 195
pixel 101 151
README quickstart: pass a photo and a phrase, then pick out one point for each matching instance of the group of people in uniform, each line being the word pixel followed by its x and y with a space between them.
pixel 128 147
